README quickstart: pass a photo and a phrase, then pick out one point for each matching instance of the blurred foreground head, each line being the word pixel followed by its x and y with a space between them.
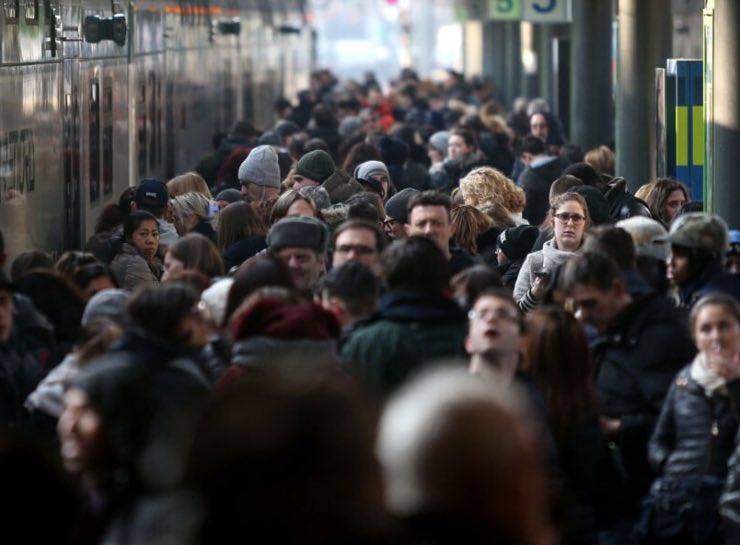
pixel 457 453
pixel 290 456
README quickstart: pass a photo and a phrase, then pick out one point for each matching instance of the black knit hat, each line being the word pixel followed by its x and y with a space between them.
pixel 598 206
pixel 316 165
pixel 397 205
pixel 516 242
pixel 584 172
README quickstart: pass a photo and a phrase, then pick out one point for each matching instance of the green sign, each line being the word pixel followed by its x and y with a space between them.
pixel 461 13
pixel 505 10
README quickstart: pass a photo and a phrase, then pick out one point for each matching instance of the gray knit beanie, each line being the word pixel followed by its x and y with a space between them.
pixel 316 165
pixel 439 141
pixel 261 168
pixel 397 205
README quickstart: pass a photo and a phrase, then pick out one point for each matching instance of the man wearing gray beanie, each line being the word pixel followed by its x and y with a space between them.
pixel 259 175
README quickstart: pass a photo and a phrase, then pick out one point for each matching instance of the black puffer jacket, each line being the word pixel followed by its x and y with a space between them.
pixel 622 203
pixel 695 434
pixel 636 361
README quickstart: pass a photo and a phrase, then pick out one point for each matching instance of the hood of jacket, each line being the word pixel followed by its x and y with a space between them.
pixel 341 186
pixel 408 306
pixel 554 257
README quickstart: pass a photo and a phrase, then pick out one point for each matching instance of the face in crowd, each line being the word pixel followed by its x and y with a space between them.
pixel 356 244
pixel 538 127
pixel 494 328
pixel 432 222
pixel 146 238
pixel 306 266
pixel 569 225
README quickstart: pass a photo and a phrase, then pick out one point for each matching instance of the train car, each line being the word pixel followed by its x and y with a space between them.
pixel 96 95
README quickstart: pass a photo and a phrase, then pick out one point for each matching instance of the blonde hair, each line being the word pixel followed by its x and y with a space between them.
pixel 486 184
pixel 602 159
pixel 185 183
pixel 643 192
pixel 193 203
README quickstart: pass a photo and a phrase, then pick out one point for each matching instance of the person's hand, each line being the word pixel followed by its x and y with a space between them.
pixel 539 286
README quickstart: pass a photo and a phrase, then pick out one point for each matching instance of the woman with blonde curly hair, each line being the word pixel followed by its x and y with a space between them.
pixel 486 184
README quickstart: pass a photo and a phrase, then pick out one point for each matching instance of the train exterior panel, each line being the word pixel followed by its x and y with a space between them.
pixel 80 121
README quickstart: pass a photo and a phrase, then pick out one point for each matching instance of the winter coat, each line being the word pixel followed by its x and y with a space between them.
pixel 205 228
pixel 131 270
pixel 509 272
pixel 341 186
pixel 690 447
pixel 712 279
pixel 622 204
pixel 238 252
pixel 636 360
pixel 409 331
pixel 167 233
pixel 548 258
pixel 695 433
pixel 536 181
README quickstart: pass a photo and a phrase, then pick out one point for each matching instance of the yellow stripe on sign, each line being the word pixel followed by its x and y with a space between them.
pixel 697 133
pixel 682 136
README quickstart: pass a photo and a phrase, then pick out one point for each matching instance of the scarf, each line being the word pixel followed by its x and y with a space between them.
pixel 706 376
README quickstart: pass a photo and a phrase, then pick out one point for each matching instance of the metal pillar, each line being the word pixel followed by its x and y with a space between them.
pixel 545 64
pixel 591 80
pixel 645 37
pixel 726 129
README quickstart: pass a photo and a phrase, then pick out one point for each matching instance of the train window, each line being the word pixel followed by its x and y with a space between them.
pixel 107 137
pixel 12 10
pixel 152 114
pixel 31 12
pixel 94 142
pixel 28 172
pixel 160 120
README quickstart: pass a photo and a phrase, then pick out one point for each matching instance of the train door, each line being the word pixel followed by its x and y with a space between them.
pixel 71 127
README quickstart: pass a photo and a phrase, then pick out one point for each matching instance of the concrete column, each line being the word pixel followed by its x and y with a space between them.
pixel 591 110
pixel 491 53
pixel 645 38
pixel 726 129
pixel 512 61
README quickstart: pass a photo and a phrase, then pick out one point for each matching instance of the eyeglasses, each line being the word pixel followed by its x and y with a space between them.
pixel 359 249
pixel 499 314
pixel 564 217
pixel 390 223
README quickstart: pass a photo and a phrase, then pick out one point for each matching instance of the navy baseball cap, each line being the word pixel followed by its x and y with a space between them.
pixel 151 194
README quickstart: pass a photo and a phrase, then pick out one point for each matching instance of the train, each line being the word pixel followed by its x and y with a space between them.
pixel 96 95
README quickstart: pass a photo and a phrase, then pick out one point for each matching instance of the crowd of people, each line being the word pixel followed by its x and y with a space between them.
pixel 393 317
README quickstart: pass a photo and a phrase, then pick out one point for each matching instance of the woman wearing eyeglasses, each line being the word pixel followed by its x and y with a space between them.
pixel 570 219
